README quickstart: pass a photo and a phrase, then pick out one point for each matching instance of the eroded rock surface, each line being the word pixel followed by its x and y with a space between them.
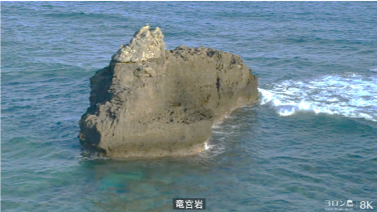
pixel 145 44
pixel 152 102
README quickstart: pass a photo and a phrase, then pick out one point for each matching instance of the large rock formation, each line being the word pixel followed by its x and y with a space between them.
pixel 153 102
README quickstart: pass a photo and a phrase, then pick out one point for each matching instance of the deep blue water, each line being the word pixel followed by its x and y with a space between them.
pixel 311 137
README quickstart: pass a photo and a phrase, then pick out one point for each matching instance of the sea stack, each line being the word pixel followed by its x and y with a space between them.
pixel 153 102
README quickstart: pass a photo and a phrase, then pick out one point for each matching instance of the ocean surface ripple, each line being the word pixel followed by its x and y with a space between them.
pixel 311 137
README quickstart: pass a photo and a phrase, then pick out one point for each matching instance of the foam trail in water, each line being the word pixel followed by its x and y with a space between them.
pixel 373 69
pixel 350 95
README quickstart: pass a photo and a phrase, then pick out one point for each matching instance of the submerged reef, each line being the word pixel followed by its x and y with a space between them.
pixel 154 102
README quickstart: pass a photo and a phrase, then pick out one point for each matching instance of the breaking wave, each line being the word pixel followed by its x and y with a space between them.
pixel 351 95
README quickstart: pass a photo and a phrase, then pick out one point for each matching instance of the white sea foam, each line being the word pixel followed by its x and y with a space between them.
pixel 373 69
pixel 206 146
pixel 351 95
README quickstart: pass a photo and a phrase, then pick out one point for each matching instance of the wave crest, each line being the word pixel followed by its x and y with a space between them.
pixel 351 95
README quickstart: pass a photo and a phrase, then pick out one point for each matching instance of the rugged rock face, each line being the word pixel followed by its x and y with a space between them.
pixel 146 44
pixel 152 102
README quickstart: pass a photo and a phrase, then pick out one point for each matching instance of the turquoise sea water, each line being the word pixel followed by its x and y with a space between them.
pixel 311 137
